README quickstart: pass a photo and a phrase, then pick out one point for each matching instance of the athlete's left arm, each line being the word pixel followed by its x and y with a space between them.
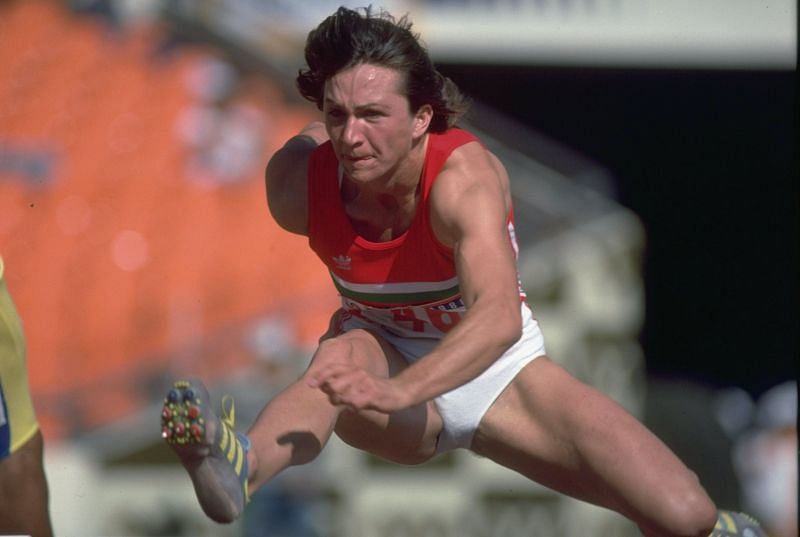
pixel 469 211
pixel 470 204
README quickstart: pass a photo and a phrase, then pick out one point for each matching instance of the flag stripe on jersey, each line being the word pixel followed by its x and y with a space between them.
pixel 398 293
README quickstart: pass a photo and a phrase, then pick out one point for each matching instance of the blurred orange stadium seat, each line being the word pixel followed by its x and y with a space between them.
pixel 119 264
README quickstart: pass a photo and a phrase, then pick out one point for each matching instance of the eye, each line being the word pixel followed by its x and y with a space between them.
pixel 373 115
pixel 335 115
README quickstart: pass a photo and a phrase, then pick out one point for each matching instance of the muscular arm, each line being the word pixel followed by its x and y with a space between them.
pixel 287 179
pixel 470 204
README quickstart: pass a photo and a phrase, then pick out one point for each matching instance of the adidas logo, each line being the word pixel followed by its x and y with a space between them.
pixel 342 261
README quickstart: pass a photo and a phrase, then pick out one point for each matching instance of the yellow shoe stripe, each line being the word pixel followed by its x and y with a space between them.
pixel 239 459
pixel 232 447
pixel 223 442
pixel 731 525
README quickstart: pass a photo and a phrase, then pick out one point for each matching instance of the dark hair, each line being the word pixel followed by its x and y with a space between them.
pixel 348 38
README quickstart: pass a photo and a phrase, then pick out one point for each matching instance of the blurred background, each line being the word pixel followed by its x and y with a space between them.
pixel 651 145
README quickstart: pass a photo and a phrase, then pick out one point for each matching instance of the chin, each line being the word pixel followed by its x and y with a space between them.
pixel 360 175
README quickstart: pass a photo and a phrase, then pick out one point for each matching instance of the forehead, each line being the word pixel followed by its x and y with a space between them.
pixel 363 84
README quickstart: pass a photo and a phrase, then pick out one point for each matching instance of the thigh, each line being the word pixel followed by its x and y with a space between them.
pixel 570 437
pixel 408 436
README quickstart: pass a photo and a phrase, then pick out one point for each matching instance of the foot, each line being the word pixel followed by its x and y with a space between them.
pixel 214 455
pixel 730 524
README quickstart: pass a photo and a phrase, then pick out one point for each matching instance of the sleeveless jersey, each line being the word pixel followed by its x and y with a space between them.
pixel 407 285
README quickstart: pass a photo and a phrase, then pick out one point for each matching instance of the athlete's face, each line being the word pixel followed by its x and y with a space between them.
pixel 370 123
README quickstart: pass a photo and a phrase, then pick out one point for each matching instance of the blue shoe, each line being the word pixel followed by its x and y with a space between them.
pixel 211 451
pixel 730 524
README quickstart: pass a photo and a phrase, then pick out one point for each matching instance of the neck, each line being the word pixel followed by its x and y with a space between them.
pixel 384 210
pixel 406 178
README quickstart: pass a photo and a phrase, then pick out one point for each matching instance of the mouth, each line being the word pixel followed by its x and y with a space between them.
pixel 357 161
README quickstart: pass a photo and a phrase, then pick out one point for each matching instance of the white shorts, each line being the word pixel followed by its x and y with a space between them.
pixel 463 408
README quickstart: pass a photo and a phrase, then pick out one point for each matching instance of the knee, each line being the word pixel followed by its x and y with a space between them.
pixel 357 347
pixel 331 351
pixel 342 348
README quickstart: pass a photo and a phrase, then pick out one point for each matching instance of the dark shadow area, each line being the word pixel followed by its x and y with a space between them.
pixel 707 161
pixel 305 446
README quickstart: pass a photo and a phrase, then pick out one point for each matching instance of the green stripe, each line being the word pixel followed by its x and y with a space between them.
pixel 398 298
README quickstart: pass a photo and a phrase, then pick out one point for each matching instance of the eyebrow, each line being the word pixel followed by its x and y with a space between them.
pixel 364 106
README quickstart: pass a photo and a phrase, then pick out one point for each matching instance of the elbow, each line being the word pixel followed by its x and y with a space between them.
pixel 508 326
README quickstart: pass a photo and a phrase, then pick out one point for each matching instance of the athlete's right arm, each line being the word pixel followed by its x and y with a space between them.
pixel 287 179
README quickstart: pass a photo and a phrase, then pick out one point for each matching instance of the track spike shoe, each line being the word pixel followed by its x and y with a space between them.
pixel 214 455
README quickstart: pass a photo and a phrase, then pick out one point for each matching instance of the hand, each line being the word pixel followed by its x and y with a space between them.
pixel 357 389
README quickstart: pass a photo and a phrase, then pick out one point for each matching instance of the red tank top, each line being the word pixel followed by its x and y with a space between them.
pixel 407 284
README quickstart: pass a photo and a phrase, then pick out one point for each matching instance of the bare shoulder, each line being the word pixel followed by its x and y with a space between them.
pixel 287 184
pixel 473 182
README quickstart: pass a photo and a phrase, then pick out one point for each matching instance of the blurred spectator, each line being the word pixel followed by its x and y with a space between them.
pixel 225 137
pixel 765 458
pixel 287 506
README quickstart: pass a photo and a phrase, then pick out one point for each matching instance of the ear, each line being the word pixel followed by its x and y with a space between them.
pixel 422 120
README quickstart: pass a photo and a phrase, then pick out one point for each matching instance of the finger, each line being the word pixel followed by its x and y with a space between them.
pixel 348 390
pixel 326 372
pixel 343 388
pixel 364 396
pixel 342 401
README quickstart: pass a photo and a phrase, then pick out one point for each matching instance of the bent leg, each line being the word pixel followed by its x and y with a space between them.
pixel 570 437
pixel 295 426
pixel 407 437
pixel 23 488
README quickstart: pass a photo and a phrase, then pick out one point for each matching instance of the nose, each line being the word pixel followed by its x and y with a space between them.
pixel 351 134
